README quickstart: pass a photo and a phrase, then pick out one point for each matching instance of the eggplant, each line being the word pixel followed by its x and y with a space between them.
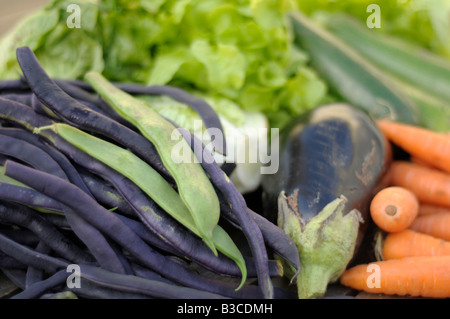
pixel 332 161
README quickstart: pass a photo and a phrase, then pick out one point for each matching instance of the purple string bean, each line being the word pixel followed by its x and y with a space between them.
pixel 113 227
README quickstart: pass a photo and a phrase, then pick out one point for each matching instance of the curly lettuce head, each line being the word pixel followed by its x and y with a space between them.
pixel 241 50
pixel 64 51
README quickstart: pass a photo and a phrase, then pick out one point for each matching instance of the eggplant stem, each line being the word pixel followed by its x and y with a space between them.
pixel 326 243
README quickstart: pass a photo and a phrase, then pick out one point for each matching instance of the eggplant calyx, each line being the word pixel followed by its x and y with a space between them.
pixel 326 244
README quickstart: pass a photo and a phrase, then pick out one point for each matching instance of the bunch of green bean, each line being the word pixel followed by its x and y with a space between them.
pixel 80 147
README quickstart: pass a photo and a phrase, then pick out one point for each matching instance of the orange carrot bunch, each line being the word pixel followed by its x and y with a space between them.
pixel 414 212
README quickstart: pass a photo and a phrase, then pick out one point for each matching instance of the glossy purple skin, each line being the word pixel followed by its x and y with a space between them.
pixel 334 150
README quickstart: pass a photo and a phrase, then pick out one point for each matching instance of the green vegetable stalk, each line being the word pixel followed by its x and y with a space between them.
pixel 422 22
pixel 420 74
pixel 326 244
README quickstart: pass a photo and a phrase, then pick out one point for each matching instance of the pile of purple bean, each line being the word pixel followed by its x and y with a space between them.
pixel 70 225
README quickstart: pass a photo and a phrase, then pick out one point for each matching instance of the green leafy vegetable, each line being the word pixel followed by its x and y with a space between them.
pixel 422 22
pixel 241 50
pixel 236 50
pixel 66 52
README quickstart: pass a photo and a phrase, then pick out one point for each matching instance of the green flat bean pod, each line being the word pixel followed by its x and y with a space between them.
pixel 151 183
pixel 194 187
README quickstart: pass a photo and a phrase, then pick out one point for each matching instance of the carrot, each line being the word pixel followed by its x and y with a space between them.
pixel 394 208
pixel 427 209
pixel 429 146
pixel 415 276
pixel 437 225
pixel 419 161
pixel 431 186
pixel 409 243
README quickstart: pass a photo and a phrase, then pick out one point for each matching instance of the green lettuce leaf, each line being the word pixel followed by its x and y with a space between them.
pixel 63 51
pixel 239 50
pixel 31 32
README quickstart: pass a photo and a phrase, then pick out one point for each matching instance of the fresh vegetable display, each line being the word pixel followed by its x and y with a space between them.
pixel 413 249
pixel 238 51
pixel 69 140
pixel 205 149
